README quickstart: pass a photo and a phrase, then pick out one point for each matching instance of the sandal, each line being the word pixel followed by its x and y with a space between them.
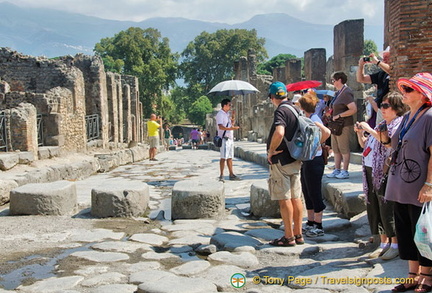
pixel 299 239
pixel 401 287
pixel 423 287
pixel 283 241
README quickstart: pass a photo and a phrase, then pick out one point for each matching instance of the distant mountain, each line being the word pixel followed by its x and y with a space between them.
pixel 51 33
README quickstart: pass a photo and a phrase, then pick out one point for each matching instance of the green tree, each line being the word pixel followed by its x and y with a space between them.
pixel 277 61
pixel 146 55
pixel 370 47
pixel 210 58
pixel 199 109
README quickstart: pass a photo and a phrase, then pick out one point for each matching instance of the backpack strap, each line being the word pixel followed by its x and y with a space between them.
pixel 295 114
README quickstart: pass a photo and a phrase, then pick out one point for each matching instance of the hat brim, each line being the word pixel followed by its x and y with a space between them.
pixel 408 83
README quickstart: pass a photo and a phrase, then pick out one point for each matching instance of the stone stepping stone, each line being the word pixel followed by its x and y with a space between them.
pixel 191 268
pixel 101 257
pixel 267 234
pixel 243 259
pixel 141 266
pixel 55 198
pixel 146 276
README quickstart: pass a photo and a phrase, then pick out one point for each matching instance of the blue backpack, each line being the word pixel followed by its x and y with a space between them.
pixel 306 140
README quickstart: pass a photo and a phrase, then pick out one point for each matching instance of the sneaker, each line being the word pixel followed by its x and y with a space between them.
pixel 221 179
pixel 343 175
pixel 334 173
pixel 316 232
pixel 307 228
pixel 384 250
pixel 376 253
pixel 390 254
pixel 234 177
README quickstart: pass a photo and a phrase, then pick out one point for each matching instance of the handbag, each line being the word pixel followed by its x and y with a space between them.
pixel 325 153
pixel 423 233
pixel 217 140
pixel 336 126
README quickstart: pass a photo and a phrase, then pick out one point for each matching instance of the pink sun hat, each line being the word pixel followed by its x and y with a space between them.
pixel 421 82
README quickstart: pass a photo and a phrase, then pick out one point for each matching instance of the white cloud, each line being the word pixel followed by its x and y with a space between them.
pixel 228 11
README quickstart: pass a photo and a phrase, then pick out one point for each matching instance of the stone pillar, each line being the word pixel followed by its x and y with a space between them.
pixel 348 47
pixel 127 115
pixel 112 108
pixel 315 65
pixel 409 34
pixel 279 74
pixel 23 119
pixel 293 70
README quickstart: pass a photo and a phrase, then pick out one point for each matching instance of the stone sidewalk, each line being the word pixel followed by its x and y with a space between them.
pixel 155 254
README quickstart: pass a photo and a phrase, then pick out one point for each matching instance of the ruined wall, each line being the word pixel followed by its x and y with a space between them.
pixel 293 71
pixel 23 119
pixel 66 90
pixel 408 31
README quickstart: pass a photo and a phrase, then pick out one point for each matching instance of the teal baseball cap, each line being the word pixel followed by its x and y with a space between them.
pixel 279 89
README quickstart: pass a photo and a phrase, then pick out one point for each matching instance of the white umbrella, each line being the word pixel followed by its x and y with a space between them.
pixel 232 88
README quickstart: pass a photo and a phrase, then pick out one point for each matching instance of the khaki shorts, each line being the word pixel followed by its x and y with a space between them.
pixel 154 141
pixel 284 182
pixel 340 144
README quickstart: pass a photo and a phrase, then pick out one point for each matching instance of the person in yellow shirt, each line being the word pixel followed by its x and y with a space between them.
pixel 153 133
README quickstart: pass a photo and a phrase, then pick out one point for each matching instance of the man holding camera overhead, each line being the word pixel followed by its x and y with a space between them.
pixel 380 78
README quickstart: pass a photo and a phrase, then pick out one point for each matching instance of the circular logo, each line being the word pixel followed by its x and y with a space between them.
pixel 238 280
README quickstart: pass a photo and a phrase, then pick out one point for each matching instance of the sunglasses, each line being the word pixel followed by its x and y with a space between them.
pixel 385 106
pixel 407 89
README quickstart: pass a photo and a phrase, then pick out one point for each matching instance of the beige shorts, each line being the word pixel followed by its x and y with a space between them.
pixel 341 144
pixel 154 141
pixel 284 181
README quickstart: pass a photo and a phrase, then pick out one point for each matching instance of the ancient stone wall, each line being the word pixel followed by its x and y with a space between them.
pixel 95 91
pixel 63 92
pixel 408 31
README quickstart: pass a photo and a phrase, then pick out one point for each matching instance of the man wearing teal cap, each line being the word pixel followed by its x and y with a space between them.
pixel 284 181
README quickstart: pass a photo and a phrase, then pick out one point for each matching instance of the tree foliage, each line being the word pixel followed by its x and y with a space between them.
pixel 277 61
pixel 146 55
pixel 199 109
pixel 209 59
pixel 370 47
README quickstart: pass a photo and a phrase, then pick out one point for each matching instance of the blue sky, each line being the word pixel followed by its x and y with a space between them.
pixel 228 11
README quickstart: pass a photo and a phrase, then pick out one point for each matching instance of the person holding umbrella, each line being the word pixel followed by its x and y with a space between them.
pixel 226 126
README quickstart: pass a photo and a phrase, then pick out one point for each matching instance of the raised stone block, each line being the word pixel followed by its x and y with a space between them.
pixel 194 199
pixel 5 187
pixel 172 148
pixel 54 198
pixel 120 198
pixel 8 161
pixel 26 157
pixel 186 147
pixel 203 147
pixel 260 202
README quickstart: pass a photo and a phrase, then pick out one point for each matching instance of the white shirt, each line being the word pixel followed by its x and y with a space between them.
pixel 224 118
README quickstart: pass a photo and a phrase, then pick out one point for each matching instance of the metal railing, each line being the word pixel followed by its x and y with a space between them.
pixel 3 136
pixel 92 126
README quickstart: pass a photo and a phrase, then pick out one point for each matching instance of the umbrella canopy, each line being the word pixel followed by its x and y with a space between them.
pixel 321 93
pixel 232 88
pixel 301 85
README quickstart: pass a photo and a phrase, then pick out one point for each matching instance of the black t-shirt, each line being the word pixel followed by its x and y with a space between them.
pixel 283 116
pixel 381 79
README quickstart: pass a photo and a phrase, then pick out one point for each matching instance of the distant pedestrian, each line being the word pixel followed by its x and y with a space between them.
pixel 195 136
pixel 225 130
pixel 153 134
pixel 167 137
